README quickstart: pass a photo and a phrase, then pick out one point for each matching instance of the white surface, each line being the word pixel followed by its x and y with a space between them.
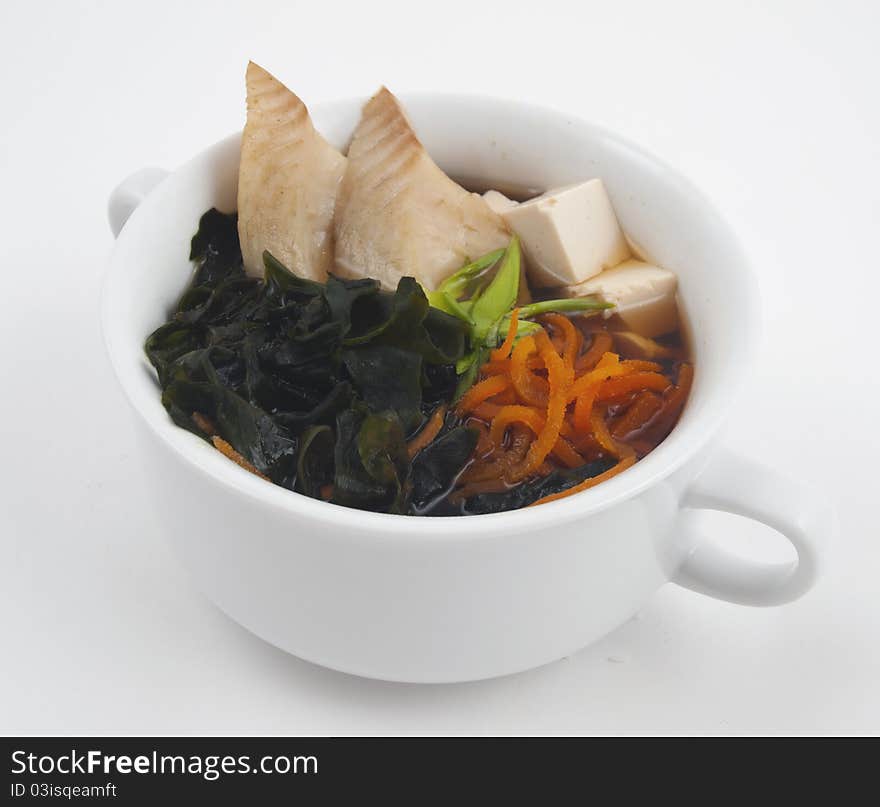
pixel 771 108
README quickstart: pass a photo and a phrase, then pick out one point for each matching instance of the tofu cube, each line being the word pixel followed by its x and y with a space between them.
pixel 644 296
pixel 498 202
pixel 569 234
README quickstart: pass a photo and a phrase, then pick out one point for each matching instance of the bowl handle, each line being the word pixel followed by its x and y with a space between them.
pixel 737 485
pixel 129 193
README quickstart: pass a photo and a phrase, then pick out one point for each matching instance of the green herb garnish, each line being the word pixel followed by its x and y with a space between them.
pixel 485 302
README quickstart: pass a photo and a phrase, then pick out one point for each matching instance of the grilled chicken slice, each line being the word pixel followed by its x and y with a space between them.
pixel 287 182
pixel 398 214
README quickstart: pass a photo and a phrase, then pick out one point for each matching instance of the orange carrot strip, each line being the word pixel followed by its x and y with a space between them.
pixel 625 463
pixel 632 382
pixel 644 366
pixel 570 334
pixel 506 397
pixel 530 388
pixel 486 410
pixel 559 378
pixel 600 345
pixel 503 352
pixel 640 412
pixel 508 415
pixel 495 368
pixel 428 432
pixel 588 447
pixel 567 431
pixel 601 433
pixel 672 406
pixel 227 450
pixel 565 453
pixel 607 367
pixel 484 444
pixel 481 391
pixel 583 408
pixel 498 467
pixel 498 367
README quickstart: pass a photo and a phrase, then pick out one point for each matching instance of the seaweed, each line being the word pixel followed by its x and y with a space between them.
pixel 311 383
pixel 388 379
pixel 371 463
pixel 436 467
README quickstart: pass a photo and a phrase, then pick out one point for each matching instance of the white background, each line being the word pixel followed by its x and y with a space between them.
pixel 771 107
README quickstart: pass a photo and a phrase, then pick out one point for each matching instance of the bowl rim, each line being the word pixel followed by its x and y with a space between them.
pixel 688 437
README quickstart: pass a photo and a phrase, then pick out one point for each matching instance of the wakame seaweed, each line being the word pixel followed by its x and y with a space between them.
pixel 317 385
pixel 320 386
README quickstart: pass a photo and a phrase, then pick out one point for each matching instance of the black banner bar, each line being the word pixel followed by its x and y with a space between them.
pixel 146 770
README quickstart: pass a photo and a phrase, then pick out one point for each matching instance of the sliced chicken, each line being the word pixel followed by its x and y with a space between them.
pixel 398 214
pixel 287 182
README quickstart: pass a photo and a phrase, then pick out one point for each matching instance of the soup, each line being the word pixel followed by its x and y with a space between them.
pixel 367 332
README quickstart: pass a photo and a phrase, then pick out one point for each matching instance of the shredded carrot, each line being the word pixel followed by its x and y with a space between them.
pixel 638 415
pixel 645 366
pixel 559 377
pixel 571 337
pixel 541 404
pixel 501 353
pixel 565 453
pixel 632 382
pixel 498 467
pixel 327 492
pixel 529 387
pixel 583 408
pixel 495 367
pixel 224 448
pixel 527 415
pixel 507 396
pixel 428 432
pixel 600 345
pixel 625 463
pixel 482 391
pixel 608 366
pixel 672 406
pixel 600 432
pixel 603 436
pixel 484 445
pixel 486 411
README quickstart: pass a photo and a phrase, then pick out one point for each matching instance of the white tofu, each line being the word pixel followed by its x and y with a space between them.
pixel 644 296
pixel 569 234
pixel 499 202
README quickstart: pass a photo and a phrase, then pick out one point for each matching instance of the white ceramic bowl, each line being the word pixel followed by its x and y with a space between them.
pixel 434 600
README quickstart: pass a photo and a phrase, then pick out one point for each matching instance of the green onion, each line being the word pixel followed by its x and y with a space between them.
pixel 500 295
pixel 488 308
